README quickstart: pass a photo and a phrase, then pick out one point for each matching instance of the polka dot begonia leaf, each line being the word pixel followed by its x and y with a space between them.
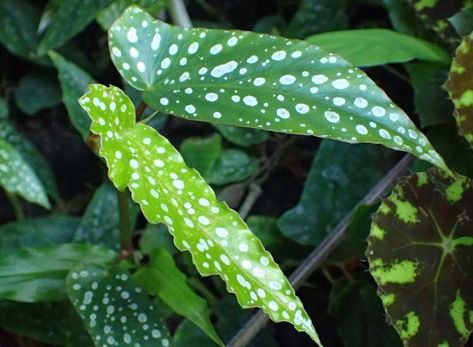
pixel 258 81
pixel 17 177
pixel 115 310
pixel 170 192
pixel 460 87
pixel 420 255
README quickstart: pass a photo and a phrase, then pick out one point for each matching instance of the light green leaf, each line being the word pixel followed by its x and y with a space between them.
pixel 163 278
pixel 74 82
pixel 260 81
pixel 170 192
pixel 369 47
pixel 242 136
pixel 17 177
pixel 100 222
pixel 37 232
pixel 70 18
pixel 108 15
pixel 56 323
pixel 38 274
pixel 115 310
pixel 37 91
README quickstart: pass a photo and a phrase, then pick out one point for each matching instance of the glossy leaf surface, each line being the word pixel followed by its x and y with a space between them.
pixel 38 274
pixel 460 87
pixel 115 310
pixel 170 192
pixel 163 278
pixel 17 177
pixel 420 255
pixel 369 47
pixel 260 81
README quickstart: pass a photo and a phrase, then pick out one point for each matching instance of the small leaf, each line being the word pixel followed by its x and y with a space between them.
pixel 420 255
pixel 163 278
pixel 115 310
pixel 460 87
pixel 462 21
pixel 70 18
pixel 37 91
pixel 55 323
pixel 156 236
pixel 100 221
pixel 259 81
pixel 74 82
pixel 37 274
pixel 232 165
pixel 169 192
pixel 370 47
pixel 337 181
pixel 108 15
pixel 201 153
pixel 37 232
pixel 17 177
pixel 242 136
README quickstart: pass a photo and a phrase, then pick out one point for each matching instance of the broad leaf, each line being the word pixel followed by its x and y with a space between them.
pixel 255 80
pixel 420 255
pixel 70 18
pixel 38 274
pixel 156 236
pixel 460 87
pixel 368 47
pixel 115 310
pixel 74 82
pixel 163 278
pixel 17 177
pixel 170 192
pixel 37 232
pixel 232 165
pixel 100 222
pixel 337 181
pixel 56 323
pixel 242 136
pixel 202 153
pixel 37 91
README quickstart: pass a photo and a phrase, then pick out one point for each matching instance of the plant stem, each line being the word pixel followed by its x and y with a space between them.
pixel 15 202
pixel 126 233
pixel 179 14
pixel 253 195
pixel 140 110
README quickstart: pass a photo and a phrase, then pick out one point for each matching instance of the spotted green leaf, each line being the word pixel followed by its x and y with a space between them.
pixel 170 192
pixel 162 277
pixel 38 274
pixel 460 87
pixel 260 81
pixel 420 254
pixel 115 310
pixel 17 176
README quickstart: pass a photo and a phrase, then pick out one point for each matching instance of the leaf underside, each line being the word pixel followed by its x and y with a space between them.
pixel 460 87
pixel 420 255
pixel 259 81
pixel 170 192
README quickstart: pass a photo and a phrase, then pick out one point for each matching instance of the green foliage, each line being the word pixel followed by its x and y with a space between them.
pixel 163 278
pixel 242 136
pixel 115 310
pixel 222 80
pixel 369 47
pixel 219 241
pixel 419 253
pixel 337 180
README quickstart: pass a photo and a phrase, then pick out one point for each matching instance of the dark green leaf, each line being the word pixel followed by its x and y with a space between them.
pixel 37 232
pixel 37 91
pixel 232 166
pixel 338 179
pixel 56 323
pixel 37 274
pixel 74 83
pixel 163 278
pixel 115 310
pixel 100 222
pixel 201 153
pixel 260 81
pixel 242 136
pixel 156 236
pixel 3 109
pixel 369 47
pixel 462 21
pixel 420 255
pixel 70 18
pixel 187 334
pixel 17 177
